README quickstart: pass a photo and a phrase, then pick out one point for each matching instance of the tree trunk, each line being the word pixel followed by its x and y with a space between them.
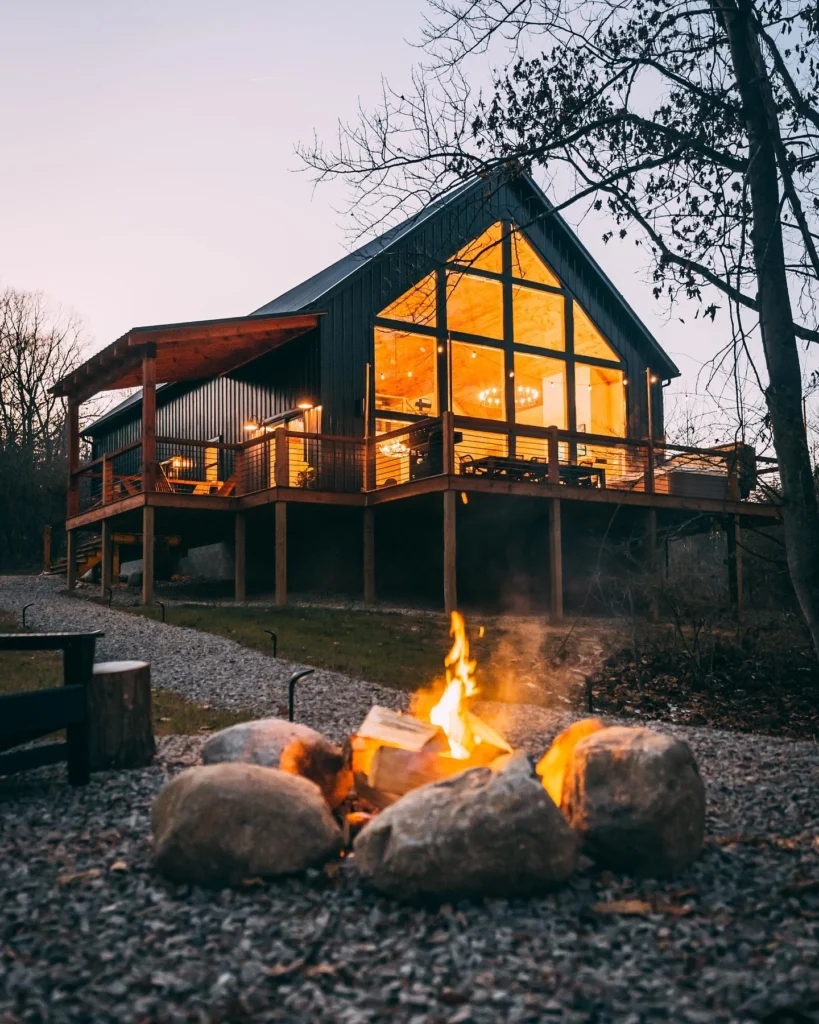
pixel 119 709
pixel 784 392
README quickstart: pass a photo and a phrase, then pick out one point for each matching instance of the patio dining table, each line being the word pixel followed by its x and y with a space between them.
pixel 519 469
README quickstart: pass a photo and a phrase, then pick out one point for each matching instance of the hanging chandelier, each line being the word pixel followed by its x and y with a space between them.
pixel 525 397
pixel 393 449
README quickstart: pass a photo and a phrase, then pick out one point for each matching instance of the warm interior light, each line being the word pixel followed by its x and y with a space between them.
pixel 250 425
pixel 393 449
pixel 305 405
pixel 653 380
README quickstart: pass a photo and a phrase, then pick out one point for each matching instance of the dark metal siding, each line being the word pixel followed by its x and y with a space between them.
pixel 220 407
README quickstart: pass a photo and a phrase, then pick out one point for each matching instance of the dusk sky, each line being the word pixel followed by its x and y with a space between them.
pixel 149 174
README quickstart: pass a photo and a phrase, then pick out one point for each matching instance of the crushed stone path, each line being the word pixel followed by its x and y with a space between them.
pixel 88 931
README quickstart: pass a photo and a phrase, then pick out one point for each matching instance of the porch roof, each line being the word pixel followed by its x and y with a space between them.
pixel 194 350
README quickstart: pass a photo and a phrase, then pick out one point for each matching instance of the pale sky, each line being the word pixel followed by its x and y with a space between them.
pixel 148 172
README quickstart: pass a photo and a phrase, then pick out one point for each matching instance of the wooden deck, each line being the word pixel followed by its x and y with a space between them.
pixel 447 455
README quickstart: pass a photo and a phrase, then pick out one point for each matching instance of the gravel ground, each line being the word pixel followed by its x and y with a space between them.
pixel 89 933
pixel 204 668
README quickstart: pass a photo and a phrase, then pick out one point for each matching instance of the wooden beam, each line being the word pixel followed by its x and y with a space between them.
pixel 450 552
pixel 107 568
pixel 73 505
pixel 70 559
pixel 369 556
pixel 240 557
pixel 555 562
pixel 148 555
pixel 735 594
pixel 148 423
pixel 281 553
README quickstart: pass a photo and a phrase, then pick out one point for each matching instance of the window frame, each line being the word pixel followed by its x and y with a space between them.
pixel 443 335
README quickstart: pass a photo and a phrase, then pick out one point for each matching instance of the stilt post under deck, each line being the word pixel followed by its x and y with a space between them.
pixel 281 553
pixel 106 568
pixel 47 535
pixel 652 558
pixel 148 555
pixel 450 553
pixel 369 556
pixel 734 565
pixel 240 557
pixel 555 561
pixel 71 559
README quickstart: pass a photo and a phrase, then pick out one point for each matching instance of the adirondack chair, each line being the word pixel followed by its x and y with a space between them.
pixel 28 716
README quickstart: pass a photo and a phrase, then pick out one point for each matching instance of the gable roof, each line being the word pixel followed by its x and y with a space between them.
pixel 310 293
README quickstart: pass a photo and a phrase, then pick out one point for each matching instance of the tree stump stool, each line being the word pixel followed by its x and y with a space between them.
pixel 121 733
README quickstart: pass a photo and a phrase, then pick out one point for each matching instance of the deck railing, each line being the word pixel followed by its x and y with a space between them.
pixel 478 449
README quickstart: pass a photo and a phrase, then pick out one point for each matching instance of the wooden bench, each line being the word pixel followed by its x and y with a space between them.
pixel 28 716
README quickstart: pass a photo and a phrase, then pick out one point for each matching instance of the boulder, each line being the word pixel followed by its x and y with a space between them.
pixel 552 766
pixel 477 833
pixel 277 743
pixel 218 824
pixel 636 799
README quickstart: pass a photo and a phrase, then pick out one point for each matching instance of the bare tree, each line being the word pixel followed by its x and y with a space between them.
pixel 693 126
pixel 39 344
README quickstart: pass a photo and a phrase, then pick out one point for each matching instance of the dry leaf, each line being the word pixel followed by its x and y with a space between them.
pixel 118 865
pixel 79 876
pixel 283 970
pixel 623 907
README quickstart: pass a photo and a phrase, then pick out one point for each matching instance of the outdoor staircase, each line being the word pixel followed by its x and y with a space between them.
pixel 89 553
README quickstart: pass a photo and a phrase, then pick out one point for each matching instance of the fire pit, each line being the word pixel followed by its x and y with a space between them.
pixel 432 802
pixel 392 753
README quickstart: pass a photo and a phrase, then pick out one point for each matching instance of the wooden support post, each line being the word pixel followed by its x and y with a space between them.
pixel 240 557
pixel 554 456
pixel 149 422
pixel 106 567
pixel 107 480
pixel 148 555
pixel 450 552
pixel 120 731
pixel 369 464
pixel 73 458
pixel 47 548
pixel 555 562
pixel 734 565
pixel 282 458
pixel 649 477
pixel 70 559
pixel 652 561
pixel 281 553
pixel 240 468
pixel 115 562
pixel 448 430
pixel 369 556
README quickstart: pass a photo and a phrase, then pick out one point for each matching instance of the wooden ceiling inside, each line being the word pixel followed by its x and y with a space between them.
pixel 188 351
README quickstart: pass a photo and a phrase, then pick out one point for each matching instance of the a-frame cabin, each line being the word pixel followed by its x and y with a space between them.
pixel 423 407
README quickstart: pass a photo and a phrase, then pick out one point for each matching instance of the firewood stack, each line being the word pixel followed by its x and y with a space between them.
pixel 392 753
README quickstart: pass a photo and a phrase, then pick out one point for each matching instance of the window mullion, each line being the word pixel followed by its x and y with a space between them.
pixel 508 330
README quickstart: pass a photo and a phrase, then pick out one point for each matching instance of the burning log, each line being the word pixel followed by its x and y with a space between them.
pixel 392 753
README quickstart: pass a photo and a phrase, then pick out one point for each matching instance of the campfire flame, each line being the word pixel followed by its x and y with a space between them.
pixel 451 713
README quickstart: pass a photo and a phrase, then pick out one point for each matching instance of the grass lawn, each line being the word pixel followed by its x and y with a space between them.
pixel 405 651
pixel 40 670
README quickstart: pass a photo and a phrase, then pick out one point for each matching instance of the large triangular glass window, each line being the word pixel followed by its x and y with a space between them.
pixel 484 252
pixel 527 265
pixel 588 341
pixel 416 306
